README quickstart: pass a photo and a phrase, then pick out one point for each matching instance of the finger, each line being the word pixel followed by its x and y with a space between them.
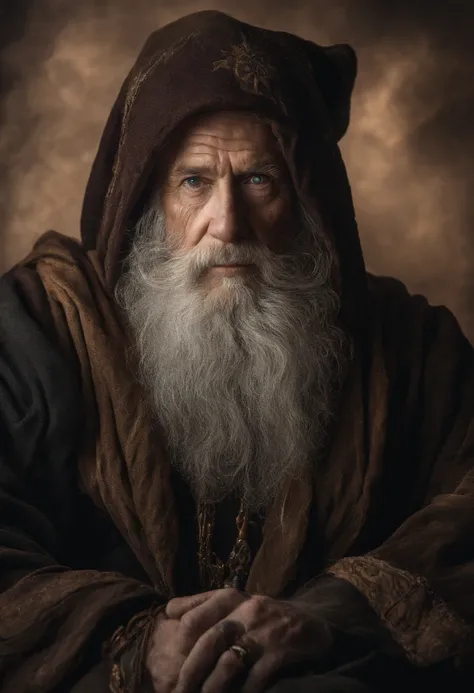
pixel 197 621
pixel 205 653
pixel 178 606
pixel 264 670
pixel 228 668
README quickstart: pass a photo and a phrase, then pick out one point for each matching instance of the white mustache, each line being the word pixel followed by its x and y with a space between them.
pixel 204 258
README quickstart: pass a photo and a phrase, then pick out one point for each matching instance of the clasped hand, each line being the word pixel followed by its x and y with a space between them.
pixel 190 652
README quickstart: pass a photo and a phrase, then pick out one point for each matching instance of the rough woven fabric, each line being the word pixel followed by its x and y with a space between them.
pixel 397 482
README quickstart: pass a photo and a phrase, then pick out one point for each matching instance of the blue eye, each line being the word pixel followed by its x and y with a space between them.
pixel 257 179
pixel 192 181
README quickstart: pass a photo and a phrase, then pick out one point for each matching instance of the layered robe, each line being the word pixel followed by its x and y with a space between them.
pixel 96 527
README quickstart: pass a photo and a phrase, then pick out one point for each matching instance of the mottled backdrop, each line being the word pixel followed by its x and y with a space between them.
pixel 409 150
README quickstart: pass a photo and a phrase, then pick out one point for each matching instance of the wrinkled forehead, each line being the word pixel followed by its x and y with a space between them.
pixel 251 136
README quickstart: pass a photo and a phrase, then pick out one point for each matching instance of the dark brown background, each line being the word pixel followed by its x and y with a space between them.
pixel 409 150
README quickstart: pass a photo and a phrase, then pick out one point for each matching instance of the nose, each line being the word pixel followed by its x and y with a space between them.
pixel 228 223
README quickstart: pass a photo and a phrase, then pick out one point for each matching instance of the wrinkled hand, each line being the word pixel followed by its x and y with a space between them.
pixel 164 659
pixel 173 639
pixel 277 634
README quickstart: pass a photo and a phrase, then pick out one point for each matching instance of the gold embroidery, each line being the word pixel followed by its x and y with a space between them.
pixel 426 628
pixel 250 67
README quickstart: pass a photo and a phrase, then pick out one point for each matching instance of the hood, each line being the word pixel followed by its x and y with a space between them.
pixel 209 61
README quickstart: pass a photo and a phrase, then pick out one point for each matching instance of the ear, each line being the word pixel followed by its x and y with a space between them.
pixel 335 69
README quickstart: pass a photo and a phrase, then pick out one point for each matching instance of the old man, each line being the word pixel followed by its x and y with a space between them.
pixel 231 459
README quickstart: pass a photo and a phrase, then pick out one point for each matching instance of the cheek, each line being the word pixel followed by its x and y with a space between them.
pixel 272 226
pixel 180 218
pixel 191 225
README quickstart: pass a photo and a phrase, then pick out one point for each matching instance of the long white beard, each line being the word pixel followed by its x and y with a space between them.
pixel 241 376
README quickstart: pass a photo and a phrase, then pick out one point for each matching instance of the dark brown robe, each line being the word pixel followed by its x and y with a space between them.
pixel 391 507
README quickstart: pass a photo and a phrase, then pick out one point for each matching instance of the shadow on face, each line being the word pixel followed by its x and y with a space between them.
pixel 225 181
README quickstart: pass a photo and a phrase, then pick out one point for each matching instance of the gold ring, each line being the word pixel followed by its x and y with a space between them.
pixel 242 653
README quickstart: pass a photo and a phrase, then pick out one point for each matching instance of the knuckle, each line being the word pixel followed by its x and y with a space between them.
pixel 296 634
pixel 261 599
pixel 188 623
pixel 258 604
pixel 295 626
pixel 223 639
pixel 232 596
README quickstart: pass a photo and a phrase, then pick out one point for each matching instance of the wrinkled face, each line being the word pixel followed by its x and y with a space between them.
pixel 227 183
pixel 241 362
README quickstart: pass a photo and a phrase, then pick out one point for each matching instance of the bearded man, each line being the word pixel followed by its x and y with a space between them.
pixel 231 458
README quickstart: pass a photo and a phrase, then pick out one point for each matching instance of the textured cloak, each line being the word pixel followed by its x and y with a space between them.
pixel 393 500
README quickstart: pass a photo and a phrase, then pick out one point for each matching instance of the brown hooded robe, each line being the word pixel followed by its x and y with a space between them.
pixel 391 507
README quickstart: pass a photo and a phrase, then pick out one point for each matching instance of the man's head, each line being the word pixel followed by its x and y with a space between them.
pixel 227 182
pixel 241 361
